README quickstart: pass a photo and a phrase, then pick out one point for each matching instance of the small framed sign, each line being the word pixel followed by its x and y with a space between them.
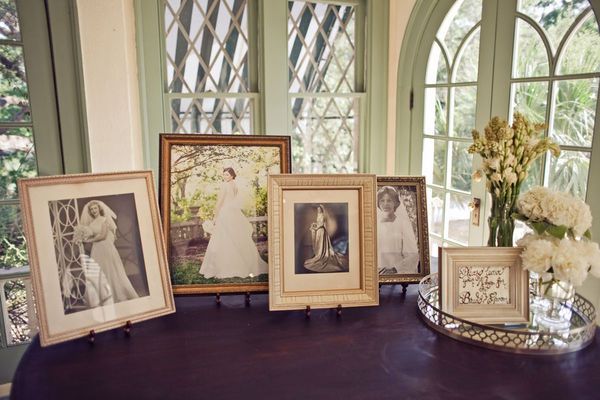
pixel 484 284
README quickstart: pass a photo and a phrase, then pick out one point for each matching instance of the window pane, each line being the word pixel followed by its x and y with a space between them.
pixel 534 175
pixel 530 99
pixel 530 56
pixel 435 117
pixel 206 45
pixel 457 217
pixel 17 159
pixel 436 211
pixel 462 166
pixel 463 112
pixel 13 252
pixel 575 112
pixel 437 68
pixel 434 161
pixel 467 65
pixel 210 115
pixel 9 21
pixel 321 47
pixel 461 18
pixel 15 293
pixel 434 245
pixel 14 101
pixel 582 54
pixel 325 134
pixel 554 16
pixel 569 172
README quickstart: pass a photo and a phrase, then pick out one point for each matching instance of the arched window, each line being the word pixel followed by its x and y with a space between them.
pixel 475 59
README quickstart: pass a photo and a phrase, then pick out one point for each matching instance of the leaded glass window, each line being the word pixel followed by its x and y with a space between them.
pixel 324 98
pixel 208 76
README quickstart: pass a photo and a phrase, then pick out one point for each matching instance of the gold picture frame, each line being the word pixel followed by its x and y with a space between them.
pixel 484 284
pixel 96 252
pixel 216 245
pixel 402 235
pixel 322 241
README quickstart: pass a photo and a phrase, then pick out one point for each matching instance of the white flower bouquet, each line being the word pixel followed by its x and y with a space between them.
pixel 507 152
pixel 560 249
pixel 82 233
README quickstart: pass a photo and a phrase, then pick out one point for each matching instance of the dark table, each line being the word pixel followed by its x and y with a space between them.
pixel 235 352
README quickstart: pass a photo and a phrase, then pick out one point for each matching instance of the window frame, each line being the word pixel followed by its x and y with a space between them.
pixel 425 19
pixel 50 39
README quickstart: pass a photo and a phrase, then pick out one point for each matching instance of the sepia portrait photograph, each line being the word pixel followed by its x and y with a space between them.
pixel 322 241
pixel 402 238
pixel 96 252
pixel 321 237
pixel 214 204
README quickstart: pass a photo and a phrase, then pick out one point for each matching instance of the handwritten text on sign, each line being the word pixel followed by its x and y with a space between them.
pixel 483 284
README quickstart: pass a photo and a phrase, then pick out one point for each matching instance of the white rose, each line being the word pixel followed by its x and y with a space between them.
pixel 569 262
pixel 538 253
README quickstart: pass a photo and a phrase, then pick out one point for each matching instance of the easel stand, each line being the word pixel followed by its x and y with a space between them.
pixel 91 337
pixel 338 311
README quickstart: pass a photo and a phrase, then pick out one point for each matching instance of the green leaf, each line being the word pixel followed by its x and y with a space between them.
pixel 539 227
pixel 558 231
pixel 588 234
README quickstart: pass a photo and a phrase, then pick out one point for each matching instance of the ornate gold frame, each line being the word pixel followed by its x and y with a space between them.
pixel 368 293
pixel 68 183
pixel 423 235
pixel 167 141
pixel 516 311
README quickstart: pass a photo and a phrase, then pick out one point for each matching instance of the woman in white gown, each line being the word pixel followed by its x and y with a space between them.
pixel 231 252
pixel 397 248
pixel 101 230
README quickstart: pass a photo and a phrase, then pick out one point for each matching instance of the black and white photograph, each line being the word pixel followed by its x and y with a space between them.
pixel 401 225
pixel 321 237
pixel 98 251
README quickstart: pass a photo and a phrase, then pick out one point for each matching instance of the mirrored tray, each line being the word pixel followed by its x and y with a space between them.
pixel 525 338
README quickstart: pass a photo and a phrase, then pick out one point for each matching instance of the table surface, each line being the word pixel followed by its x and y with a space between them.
pixel 236 351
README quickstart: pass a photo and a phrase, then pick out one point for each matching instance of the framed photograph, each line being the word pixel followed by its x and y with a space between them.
pixel 96 252
pixel 213 198
pixel 484 284
pixel 322 241
pixel 402 236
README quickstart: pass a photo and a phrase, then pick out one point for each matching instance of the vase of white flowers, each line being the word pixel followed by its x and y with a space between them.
pixel 507 152
pixel 559 251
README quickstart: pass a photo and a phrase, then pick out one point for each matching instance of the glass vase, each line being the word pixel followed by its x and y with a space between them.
pixel 538 304
pixel 559 295
pixel 501 221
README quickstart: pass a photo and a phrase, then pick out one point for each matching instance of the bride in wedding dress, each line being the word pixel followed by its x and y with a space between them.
pixel 106 279
pixel 231 252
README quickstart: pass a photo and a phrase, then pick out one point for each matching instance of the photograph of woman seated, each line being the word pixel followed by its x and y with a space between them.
pixel 106 279
pixel 231 252
pixel 397 249
pixel 328 239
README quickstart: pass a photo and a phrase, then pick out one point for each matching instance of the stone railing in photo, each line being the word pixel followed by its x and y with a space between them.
pixel 189 234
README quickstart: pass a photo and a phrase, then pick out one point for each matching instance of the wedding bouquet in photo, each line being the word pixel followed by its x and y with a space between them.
pixel 560 248
pixel 82 233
